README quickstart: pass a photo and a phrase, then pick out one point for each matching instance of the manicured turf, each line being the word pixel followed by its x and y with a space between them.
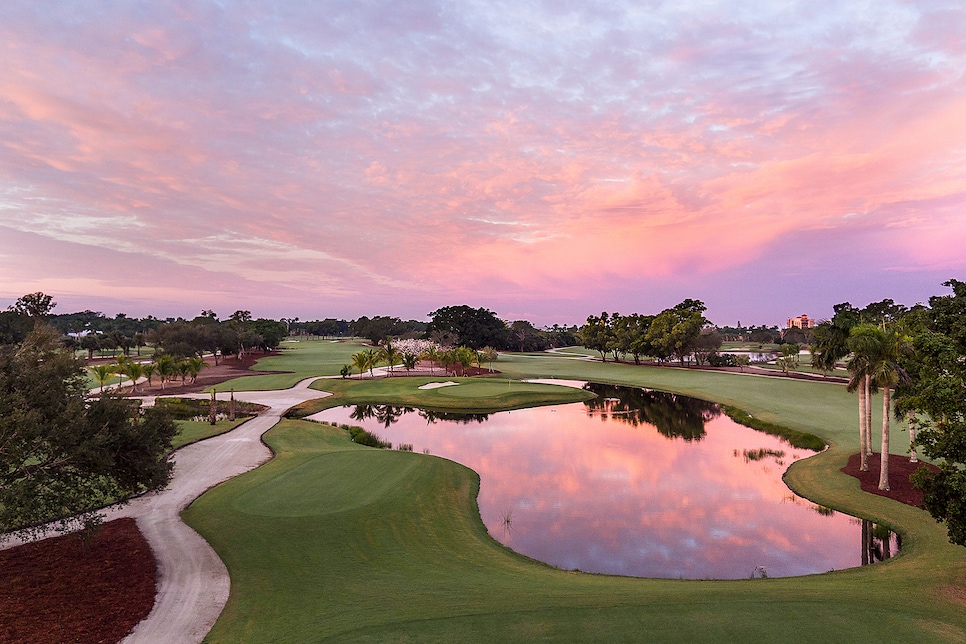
pixel 192 431
pixel 303 359
pixel 334 540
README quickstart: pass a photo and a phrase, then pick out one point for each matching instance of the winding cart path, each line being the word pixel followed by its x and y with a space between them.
pixel 193 582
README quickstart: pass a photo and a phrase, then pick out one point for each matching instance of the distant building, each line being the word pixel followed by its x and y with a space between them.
pixel 801 322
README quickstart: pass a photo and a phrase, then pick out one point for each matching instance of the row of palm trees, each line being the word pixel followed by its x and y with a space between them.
pixel 876 352
pixel 165 366
pixel 462 357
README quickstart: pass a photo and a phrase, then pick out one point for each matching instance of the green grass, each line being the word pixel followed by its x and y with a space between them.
pixel 302 360
pixel 192 431
pixel 331 540
pixel 471 395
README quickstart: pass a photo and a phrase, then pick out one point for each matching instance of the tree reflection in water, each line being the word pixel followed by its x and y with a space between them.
pixel 674 415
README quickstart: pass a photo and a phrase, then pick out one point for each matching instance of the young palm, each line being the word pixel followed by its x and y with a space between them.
pixel 361 361
pixel 166 368
pixel 102 373
pixel 134 371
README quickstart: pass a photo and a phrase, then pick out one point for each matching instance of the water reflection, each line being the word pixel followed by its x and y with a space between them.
pixel 674 415
pixel 592 487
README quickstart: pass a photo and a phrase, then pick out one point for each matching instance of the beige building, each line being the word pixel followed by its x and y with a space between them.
pixel 801 322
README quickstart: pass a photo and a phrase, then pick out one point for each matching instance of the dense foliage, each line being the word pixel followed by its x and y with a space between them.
pixel 936 398
pixel 62 452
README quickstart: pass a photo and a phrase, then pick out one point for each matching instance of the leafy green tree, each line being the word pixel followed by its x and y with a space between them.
pixel 474 328
pixel 598 334
pixel 14 327
pixel 674 332
pixel 64 453
pixel 934 397
pixel 35 305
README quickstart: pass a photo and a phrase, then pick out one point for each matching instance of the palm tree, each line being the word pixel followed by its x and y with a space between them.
pixel 432 354
pixel 102 373
pixel 490 354
pixel 365 360
pixel 134 371
pixel 166 367
pixel 866 344
pixel 887 374
pixel 149 370
pixel 183 369
pixel 389 355
pixel 409 361
pixel 831 345
pixel 195 365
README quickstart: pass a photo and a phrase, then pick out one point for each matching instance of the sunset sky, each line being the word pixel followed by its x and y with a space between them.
pixel 543 159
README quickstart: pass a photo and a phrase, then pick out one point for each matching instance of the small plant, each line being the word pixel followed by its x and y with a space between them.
pixel 405 447
pixel 759 573
pixel 363 437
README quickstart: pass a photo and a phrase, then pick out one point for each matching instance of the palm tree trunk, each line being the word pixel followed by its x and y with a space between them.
pixel 884 467
pixel 868 415
pixel 863 403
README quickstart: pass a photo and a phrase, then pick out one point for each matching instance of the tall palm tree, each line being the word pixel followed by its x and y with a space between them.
pixel 866 345
pixel 831 345
pixel 887 374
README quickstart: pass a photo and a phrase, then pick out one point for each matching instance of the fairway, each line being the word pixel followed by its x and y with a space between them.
pixel 331 540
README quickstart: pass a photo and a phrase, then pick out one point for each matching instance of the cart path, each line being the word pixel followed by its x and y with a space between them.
pixel 193 583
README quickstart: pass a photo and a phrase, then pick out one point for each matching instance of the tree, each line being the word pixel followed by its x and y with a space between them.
pixel 525 336
pixel 134 371
pixel 598 334
pixel 474 328
pixel 865 343
pixel 831 338
pixel 934 397
pixel 389 355
pixel 102 373
pixel 887 374
pixel 166 367
pixel 65 453
pixel 36 305
pixel 674 332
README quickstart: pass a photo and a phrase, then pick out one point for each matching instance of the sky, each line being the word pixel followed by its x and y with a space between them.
pixel 547 160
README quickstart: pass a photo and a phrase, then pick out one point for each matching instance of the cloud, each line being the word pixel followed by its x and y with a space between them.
pixel 424 152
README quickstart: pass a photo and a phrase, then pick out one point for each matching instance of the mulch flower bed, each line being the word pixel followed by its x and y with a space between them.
pixel 900 469
pixel 64 589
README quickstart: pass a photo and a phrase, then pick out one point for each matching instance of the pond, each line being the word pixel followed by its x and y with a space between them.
pixel 636 482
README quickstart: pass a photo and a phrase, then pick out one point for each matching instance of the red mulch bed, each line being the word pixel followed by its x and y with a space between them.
pixel 227 369
pixel 63 590
pixel 900 469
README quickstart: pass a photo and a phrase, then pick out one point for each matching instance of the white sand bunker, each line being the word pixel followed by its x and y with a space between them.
pixel 437 385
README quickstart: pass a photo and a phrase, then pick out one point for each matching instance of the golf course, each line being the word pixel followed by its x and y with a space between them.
pixel 331 540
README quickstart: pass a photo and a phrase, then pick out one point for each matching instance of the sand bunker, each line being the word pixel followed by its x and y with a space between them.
pixel 437 385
